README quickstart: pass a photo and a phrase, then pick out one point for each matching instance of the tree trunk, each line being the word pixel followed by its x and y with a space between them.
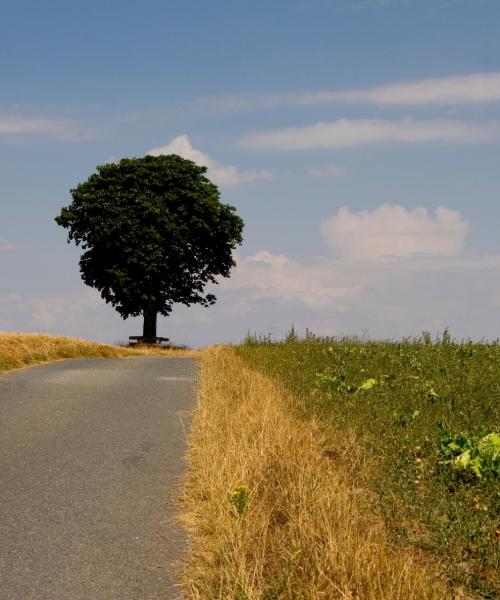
pixel 149 330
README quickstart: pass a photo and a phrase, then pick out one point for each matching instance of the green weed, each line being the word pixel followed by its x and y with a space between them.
pixel 239 498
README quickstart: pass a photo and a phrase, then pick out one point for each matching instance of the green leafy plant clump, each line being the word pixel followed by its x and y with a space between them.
pixel 427 415
pixel 467 453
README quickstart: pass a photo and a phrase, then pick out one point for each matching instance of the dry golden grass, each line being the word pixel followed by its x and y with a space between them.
pixel 308 530
pixel 22 349
pixel 143 350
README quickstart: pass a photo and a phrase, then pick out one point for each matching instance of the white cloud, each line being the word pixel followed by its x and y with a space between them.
pixel 225 175
pixel 462 90
pixel 478 88
pixel 270 276
pixel 362 239
pixel 346 133
pixel 181 145
pixel 393 231
pixel 52 128
pixel 328 170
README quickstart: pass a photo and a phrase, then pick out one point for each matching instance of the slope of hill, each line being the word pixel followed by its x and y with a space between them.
pixel 23 349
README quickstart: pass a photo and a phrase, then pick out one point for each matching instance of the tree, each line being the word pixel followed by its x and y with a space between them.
pixel 154 233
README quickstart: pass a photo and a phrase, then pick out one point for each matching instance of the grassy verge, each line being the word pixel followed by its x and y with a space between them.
pixel 20 350
pixel 270 508
pixel 435 485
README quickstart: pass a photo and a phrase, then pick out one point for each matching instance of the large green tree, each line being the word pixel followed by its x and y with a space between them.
pixel 154 233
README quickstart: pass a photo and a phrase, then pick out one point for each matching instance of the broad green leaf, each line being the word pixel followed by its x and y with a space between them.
pixel 489 446
pixel 368 384
pixel 462 461
pixel 476 466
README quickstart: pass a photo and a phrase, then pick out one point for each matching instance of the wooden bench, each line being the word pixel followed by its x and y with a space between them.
pixel 139 339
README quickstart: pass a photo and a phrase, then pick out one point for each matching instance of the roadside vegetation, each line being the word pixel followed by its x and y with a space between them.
pixel 274 507
pixel 22 349
pixel 426 416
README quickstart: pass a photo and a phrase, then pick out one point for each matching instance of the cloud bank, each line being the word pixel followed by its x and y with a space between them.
pixel 385 299
pixel 432 283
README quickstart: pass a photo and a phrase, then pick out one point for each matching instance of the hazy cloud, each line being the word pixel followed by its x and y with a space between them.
pixel 478 88
pixel 393 231
pixel 461 90
pixel 271 276
pixel 35 127
pixel 225 175
pixel 70 314
pixel 5 245
pixel 328 171
pixel 346 133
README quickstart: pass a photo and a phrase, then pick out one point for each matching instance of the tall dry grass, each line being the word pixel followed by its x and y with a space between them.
pixel 23 349
pixel 308 530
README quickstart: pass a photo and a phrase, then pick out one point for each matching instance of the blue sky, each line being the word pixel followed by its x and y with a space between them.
pixel 358 139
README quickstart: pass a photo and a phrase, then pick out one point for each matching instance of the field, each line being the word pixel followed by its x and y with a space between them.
pixel 425 414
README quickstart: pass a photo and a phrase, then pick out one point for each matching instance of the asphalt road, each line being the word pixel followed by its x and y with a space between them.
pixel 91 452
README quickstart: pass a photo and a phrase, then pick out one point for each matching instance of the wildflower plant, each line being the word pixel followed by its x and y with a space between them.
pixel 239 498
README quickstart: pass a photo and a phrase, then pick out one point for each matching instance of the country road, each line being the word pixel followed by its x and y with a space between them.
pixel 91 452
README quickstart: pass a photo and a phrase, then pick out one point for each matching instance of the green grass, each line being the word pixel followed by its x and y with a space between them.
pixel 451 514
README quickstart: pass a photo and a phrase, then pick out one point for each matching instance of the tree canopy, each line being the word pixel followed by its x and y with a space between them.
pixel 154 233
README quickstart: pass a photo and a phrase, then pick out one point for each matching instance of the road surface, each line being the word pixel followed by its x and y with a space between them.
pixel 91 452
